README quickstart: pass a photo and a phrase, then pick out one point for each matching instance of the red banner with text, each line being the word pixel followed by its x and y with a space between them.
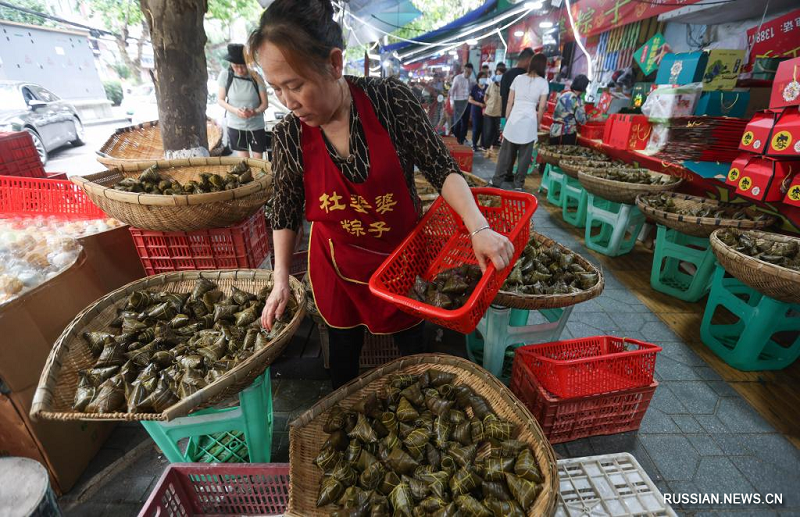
pixel 776 38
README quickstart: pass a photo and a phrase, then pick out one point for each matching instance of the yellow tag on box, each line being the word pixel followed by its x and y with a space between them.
pixel 723 69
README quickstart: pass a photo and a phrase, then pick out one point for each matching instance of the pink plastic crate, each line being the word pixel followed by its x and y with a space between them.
pixel 204 489
pixel 242 246
pixel 592 365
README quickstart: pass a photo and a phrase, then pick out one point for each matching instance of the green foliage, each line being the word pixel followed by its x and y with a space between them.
pixel 122 70
pixel 230 10
pixel 117 15
pixel 113 91
pixel 13 15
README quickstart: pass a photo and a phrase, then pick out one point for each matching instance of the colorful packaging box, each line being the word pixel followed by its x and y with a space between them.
pixel 757 134
pixel 785 138
pixel 786 87
pixel 640 93
pixel 722 104
pixel 723 69
pixel 682 68
pixel 760 177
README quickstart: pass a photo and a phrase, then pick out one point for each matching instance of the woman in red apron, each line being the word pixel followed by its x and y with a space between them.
pixel 344 159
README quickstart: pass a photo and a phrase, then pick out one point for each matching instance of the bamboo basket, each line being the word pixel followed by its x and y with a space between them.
pixel 550 154
pixel 770 280
pixel 55 394
pixel 622 191
pixel 306 436
pixel 700 226
pixel 573 166
pixel 552 301
pixel 143 142
pixel 185 212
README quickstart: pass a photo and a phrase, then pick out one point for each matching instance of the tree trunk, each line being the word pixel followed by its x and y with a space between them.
pixel 178 39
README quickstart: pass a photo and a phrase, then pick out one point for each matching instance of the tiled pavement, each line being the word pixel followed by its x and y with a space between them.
pixel 699 436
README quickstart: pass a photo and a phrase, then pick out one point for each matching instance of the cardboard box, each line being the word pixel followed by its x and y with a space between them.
pixel 759 101
pixel 723 69
pixel 629 132
pixel 640 93
pixel 723 104
pixel 685 68
pixel 786 87
pixel 760 177
pixel 65 448
pixel 785 138
pixel 758 132
pixel 793 192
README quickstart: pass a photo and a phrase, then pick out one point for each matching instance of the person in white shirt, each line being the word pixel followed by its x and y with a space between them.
pixel 526 104
pixel 459 93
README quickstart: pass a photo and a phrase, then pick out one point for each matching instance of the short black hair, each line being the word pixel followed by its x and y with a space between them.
pixel 525 54
pixel 469 65
pixel 484 66
pixel 580 83
pixel 501 65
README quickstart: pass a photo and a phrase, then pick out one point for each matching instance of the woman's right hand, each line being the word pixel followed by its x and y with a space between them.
pixel 241 112
pixel 276 304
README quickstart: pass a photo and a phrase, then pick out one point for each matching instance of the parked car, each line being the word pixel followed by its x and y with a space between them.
pixel 50 121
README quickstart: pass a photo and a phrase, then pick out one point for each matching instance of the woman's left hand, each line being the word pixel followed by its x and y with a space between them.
pixel 489 245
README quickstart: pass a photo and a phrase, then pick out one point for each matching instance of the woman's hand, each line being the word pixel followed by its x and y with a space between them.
pixel 489 245
pixel 276 304
pixel 241 112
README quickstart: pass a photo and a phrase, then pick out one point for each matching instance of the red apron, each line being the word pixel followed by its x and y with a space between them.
pixel 355 226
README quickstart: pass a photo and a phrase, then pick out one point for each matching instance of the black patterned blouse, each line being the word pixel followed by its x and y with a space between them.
pixel 399 113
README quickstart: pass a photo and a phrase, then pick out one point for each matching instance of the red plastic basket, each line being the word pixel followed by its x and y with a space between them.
pixel 440 241
pixel 18 156
pixel 220 489
pixel 242 246
pixel 564 420
pixel 593 130
pixel 35 196
pixel 591 365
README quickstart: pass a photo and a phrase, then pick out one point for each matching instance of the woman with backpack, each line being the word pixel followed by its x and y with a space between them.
pixel 243 94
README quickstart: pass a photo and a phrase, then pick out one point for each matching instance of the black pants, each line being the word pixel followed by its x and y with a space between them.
pixel 491 131
pixel 477 128
pixel 345 350
pixel 243 140
pixel 462 126
pixel 570 139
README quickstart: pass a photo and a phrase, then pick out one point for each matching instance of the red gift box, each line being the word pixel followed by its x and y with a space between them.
pixel 793 192
pixel 785 138
pixel 608 131
pixel 760 177
pixel 786 87
pixel 758 131
pixel 629 132
pixel 604 103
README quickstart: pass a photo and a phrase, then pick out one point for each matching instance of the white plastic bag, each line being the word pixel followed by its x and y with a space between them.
pixel 667 102
pixel 659 136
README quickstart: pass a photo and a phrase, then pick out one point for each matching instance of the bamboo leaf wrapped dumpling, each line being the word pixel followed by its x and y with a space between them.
pixel 328 458
pixel 110 396
pixel 96 341
pixel 329 491
pixel 405 411
pixel 504 508
pixel 464 455
pixel 495 469
pixel 524 491
pixel 413 394
pixel 419 489
pixel 496 490
pixel 497 429
pixel 401 462
pixel 84 394
pixel 471 507
pixel 390 480
pixel 363 431
pixel 402 500
pixel 464 481
pixel 344 474
pixel 526 467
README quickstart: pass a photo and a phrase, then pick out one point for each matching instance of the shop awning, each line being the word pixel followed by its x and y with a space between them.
pixel 374 17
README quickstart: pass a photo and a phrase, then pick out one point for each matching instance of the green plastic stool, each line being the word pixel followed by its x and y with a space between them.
pixel 231 435
pixel 674 247
pixel 747 345
pixel 575 197
pixel 503 330
pixel 546 180
pixel 555 194
pixel 619 224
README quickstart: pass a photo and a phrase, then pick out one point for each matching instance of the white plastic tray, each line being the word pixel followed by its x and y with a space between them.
pixel 608 485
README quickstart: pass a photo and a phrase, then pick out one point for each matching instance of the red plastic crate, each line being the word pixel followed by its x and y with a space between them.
pixel 36 196
pixel 591 365
pixel 299 265
pixel 18 156
pixel 463 155
pixel 567 419
pixel 441 241
pixel 593 130
pixel 242 246
pixel 220 489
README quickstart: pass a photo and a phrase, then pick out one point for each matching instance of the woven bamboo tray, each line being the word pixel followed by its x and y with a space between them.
pixel 306 436
pixel 429 194
pixel 573 166
pixel 143 142
pixel 550 154
pixel 179 213
pixel 700 226
pixel 622 191
pixel 768 279
pixel 552 301
pixel 56 391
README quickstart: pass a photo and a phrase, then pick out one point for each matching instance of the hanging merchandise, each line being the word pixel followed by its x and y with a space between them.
pixel 758 132
pixel 774 39
pixel 648 53
pixel 722 70
pixel 667 102
pixel 685 68
pixel 785 140
pixel 615 48
pixel 786 88
pixel 723 104
pixel 760 177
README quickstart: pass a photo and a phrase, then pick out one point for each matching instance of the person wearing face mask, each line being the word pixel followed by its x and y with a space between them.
pixel 492 113
pixel 244 96
pixel 476 97
pixel 344 158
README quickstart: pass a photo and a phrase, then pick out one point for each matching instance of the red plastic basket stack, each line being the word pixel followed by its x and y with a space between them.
pixel 20 196
pixel 440 241
pixel 220 489
pixel 299 264
pixel 18 156
pixel 593 130
pixel 242 246
pixel 586 387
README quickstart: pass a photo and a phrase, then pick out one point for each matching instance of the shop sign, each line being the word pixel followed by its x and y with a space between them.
pixel 776 38
pixel 647 55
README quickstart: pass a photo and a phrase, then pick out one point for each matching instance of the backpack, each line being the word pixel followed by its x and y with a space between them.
pixel 231 77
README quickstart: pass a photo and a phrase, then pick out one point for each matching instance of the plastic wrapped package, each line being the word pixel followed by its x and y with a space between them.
pixel 667 102
pixel 51 224
pixel 659 136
